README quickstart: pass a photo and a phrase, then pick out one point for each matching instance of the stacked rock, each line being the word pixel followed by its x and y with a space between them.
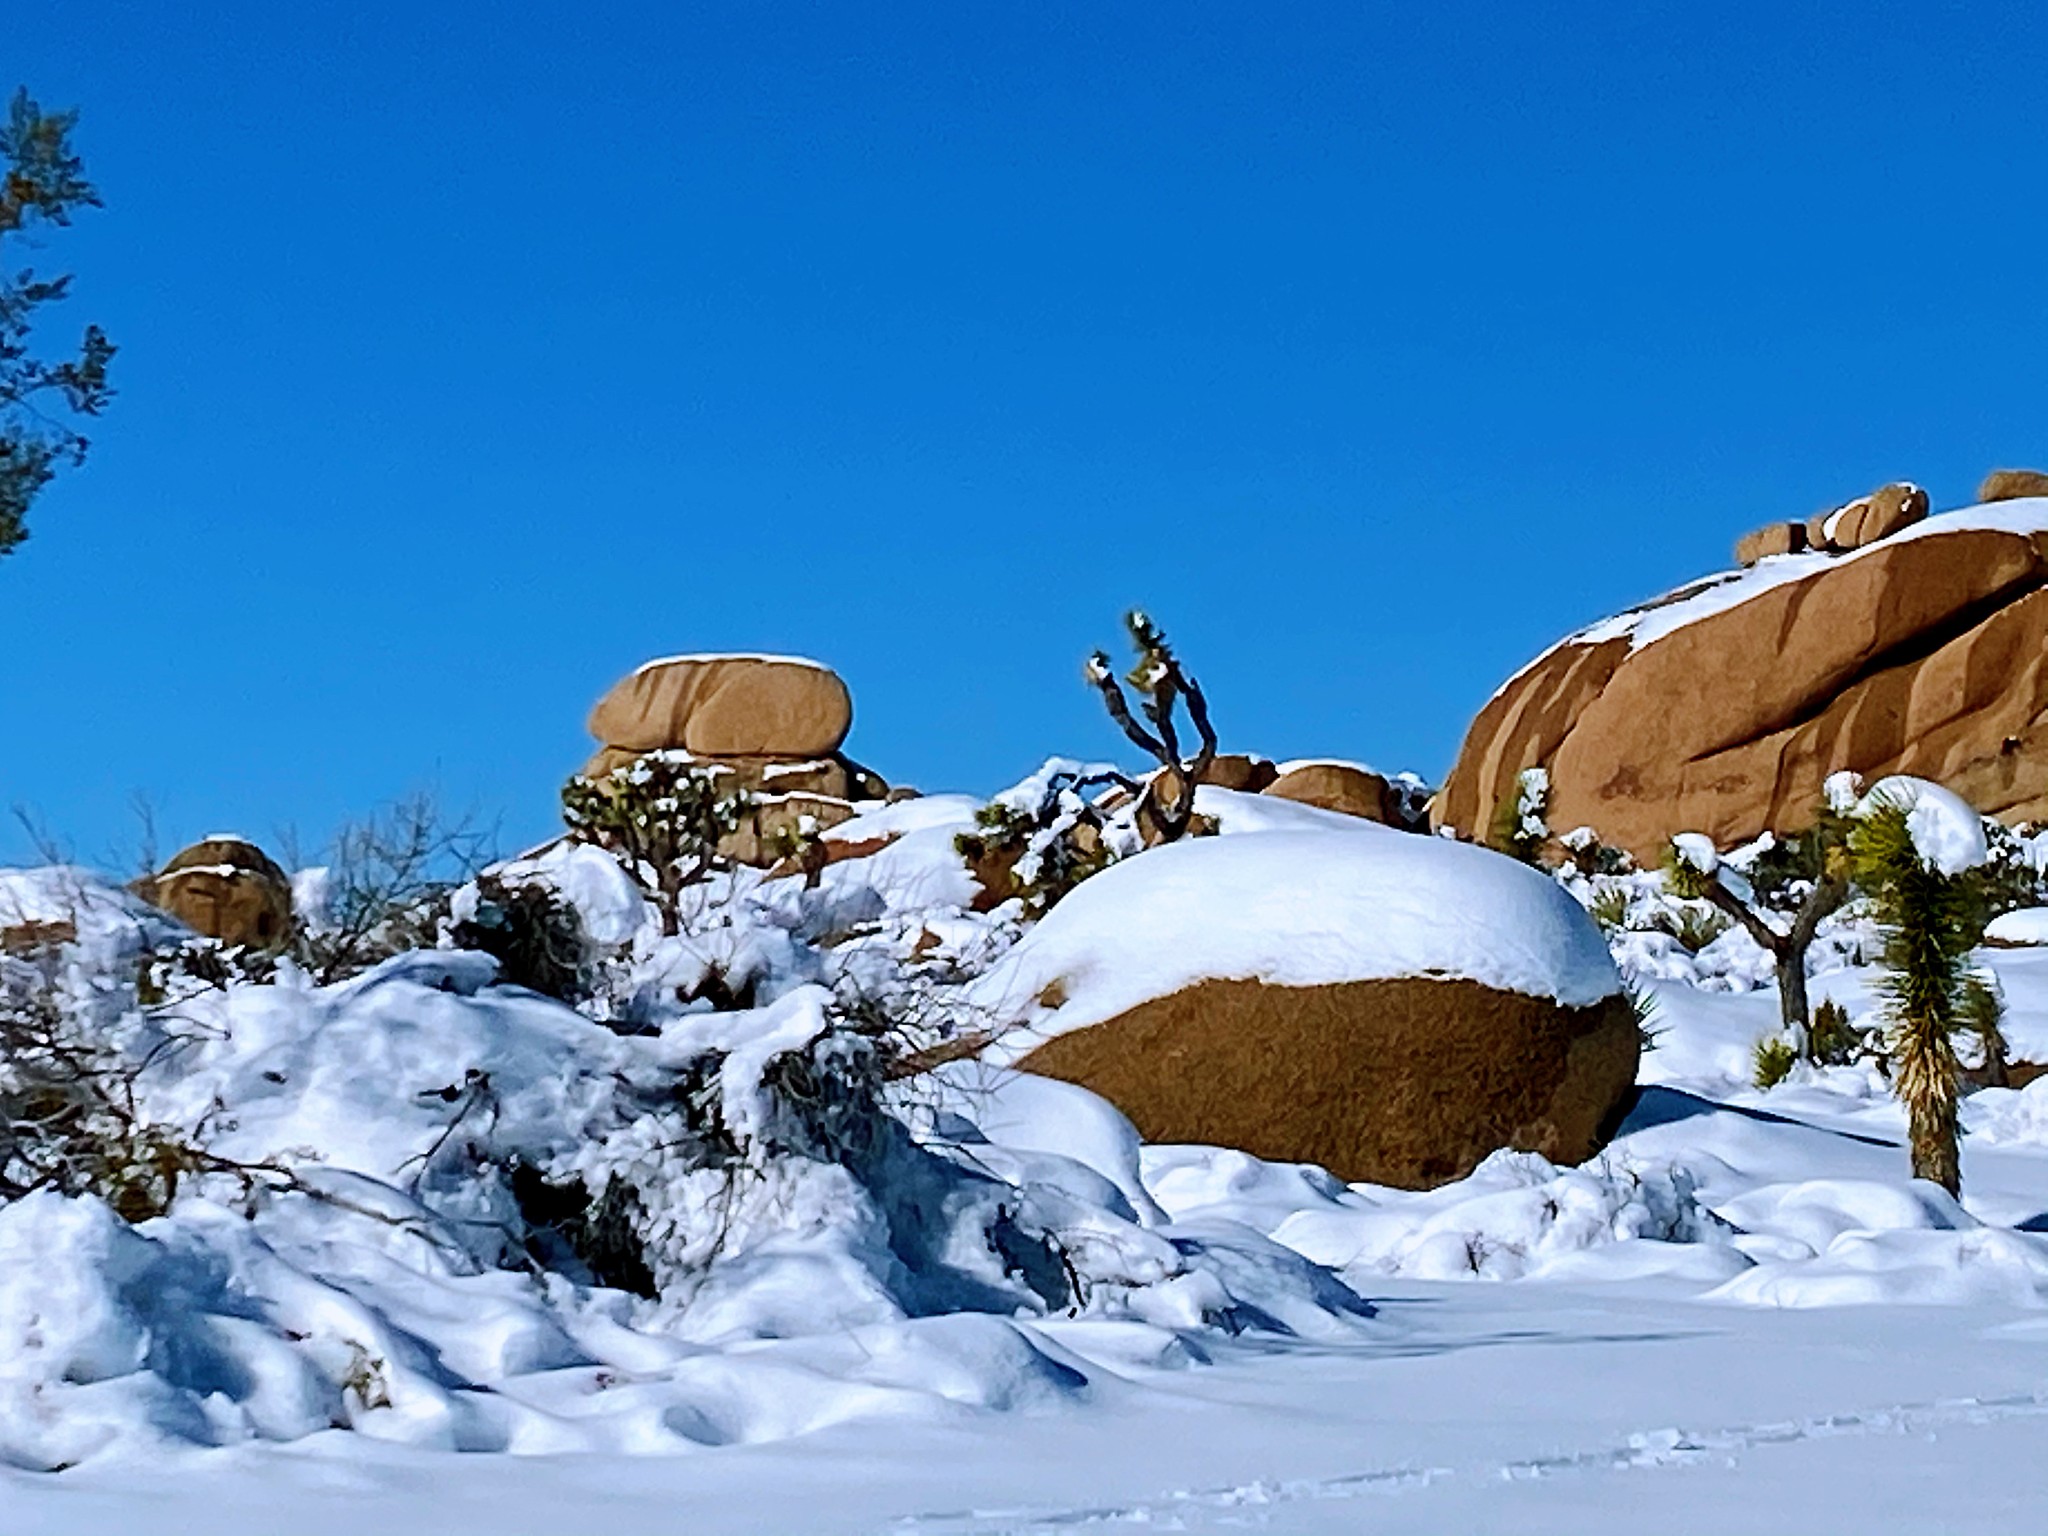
pixel 1853 525
pixel 775 723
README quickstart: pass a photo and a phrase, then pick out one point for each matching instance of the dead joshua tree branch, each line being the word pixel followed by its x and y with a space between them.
pixel 1161 684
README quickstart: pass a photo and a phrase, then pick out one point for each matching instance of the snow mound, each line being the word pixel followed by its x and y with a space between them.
pixel 1297 909
pixel 2027 926
pixel 1947 832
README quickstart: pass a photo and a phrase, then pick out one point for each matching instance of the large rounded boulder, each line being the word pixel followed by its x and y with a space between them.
pixel 1723 707
pixel 1391 1007
pixel 226 888
pixel 777 707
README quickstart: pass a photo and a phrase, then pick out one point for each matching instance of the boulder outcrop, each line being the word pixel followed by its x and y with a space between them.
pixel 1723 707
pixel 776 707
pixel 227 889
pixel 1393 1008
pixel 1410 1082
pixel 773 723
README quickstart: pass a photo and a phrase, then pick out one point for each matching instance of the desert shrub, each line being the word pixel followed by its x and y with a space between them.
pixel 1774 1059
pixel 386 886
pixel 70 1120
pixel 2008 880
pixel 1518 827
pixel 1833 1041
pixel 1042 847
pixel 535 935
pixel 1609 907
pixel 665 817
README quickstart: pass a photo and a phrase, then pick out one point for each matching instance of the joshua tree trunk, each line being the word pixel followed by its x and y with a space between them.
pixel 1787 949
pixel 1926 1082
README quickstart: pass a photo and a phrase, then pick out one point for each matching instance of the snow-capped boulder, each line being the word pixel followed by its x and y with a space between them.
pixel 1885 511
pixel 1723 707
pixel 1394 1008
pixel 228 889
pixel 778 707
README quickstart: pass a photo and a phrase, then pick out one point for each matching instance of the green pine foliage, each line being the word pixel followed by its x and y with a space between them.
pixel 42 183
pixel 1930 922
pixel 1833 1041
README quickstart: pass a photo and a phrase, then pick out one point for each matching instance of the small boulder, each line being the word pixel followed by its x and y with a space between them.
pixel 227 889
pixel 1335 786
pixel 2012 484
pixel 772 707
pixel 1771 539
pixel 1885 511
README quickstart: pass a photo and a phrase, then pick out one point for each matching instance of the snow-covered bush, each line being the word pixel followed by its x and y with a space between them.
pixel 664 816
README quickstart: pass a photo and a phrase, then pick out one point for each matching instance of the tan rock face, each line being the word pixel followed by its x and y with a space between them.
pixel 1240 771
pixel 727 706
pixel 1926 656
pixel 1341 787
pixel 2011 484
pixel 1885 511
pixel 1772 539
pixel 1407 1082
pixel 229 890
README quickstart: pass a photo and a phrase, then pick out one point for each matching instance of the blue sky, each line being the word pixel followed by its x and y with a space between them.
pixel 472 353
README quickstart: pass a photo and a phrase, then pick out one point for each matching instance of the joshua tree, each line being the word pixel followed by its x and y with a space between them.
pixel 1931 912
pixel 41 183
pixel 1160 683
pixel 1805 877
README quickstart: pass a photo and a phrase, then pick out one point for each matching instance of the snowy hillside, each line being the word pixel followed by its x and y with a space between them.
pixel 964 1299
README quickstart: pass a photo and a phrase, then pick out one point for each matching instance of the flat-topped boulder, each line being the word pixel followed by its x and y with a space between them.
pixel 771 707
pixel 1723 707
pixel 1391 1007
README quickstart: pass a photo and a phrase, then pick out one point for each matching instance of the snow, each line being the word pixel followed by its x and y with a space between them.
pixel 1743 1314
pixel 1293 909
pixel 1947 832
pixel 2029 925
pixel 716 656
pixel 1697 851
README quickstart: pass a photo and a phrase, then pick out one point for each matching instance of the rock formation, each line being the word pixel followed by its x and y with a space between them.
pixel 1724 706
pixel 228 889
pixel 775 723
pixel 1394 1008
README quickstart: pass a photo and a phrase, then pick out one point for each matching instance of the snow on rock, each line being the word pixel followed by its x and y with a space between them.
pixel 2027 926
pixel 1947 832
pixel 1297 909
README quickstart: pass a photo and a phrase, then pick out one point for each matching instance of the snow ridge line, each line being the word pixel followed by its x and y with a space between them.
pixel 1240 1505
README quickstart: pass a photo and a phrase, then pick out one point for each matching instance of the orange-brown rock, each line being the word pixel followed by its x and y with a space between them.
pixel 1926 655
pixel 1344 787
pixel 837 776
pixel 1241 771
pixel 2011 484
pixel 775 825
pixel 1885 511
pixel 1408 1082
pixel 727 706
pixel 227 889
pixel 1771 539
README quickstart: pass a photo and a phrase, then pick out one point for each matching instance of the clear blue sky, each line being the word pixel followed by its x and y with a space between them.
pixel 472 353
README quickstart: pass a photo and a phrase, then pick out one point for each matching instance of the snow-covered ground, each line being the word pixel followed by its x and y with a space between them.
pixel 1743 1316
